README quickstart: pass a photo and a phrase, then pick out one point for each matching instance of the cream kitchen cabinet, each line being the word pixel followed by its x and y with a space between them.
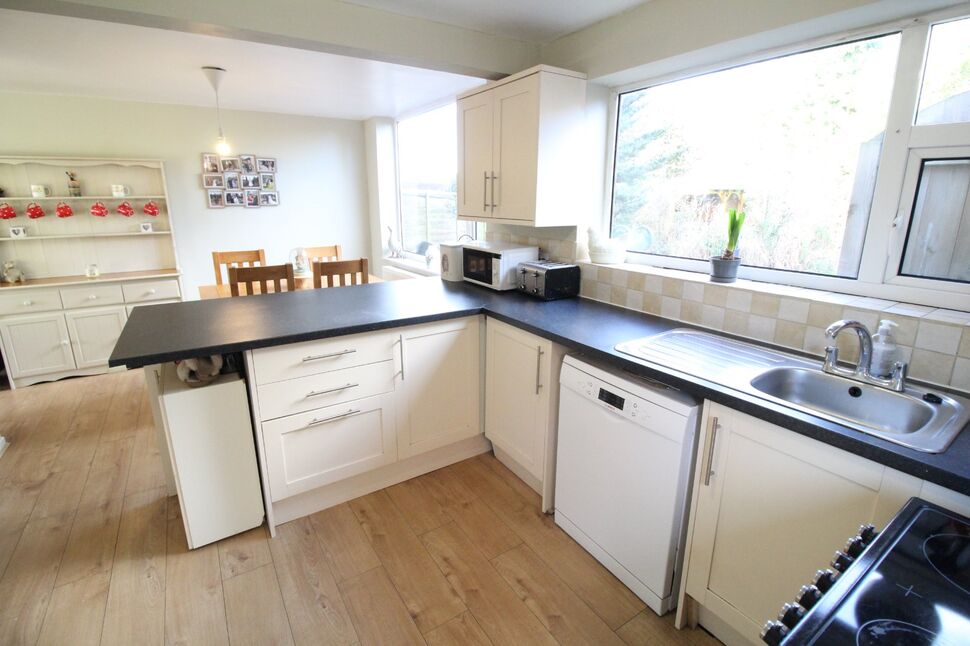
pixel 439 385
pixel 94 333
pixel 522 402
pixel 769 508
pixel 521 146
pixel 36 345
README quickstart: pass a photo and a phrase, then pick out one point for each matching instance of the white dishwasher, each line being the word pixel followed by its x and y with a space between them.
pixel 623 463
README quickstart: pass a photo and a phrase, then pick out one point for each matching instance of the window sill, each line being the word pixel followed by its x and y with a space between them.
pixel 414 266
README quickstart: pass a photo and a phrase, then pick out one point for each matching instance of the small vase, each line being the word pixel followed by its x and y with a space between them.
pixel 74 188
pixel 724 270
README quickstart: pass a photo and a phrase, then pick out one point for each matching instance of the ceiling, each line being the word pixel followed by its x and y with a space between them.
pixel 49 54
pixel 538 21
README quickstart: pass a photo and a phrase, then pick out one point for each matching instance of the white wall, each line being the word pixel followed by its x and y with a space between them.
pixel 322 179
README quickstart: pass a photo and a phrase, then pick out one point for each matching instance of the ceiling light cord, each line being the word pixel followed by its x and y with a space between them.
pixel 214 76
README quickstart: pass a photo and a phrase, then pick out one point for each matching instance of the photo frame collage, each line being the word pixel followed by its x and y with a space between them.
pixel 240 180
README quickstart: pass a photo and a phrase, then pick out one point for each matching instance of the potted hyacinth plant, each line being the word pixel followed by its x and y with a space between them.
pixel 724 268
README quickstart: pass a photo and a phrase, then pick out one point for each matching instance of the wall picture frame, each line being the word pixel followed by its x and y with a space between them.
pixel 266 164
pixel 213 180
pixel 229 164
pixel 247 163
pixel 267 181
pixel 269 198
pixel 250 180
pixel 234 198
pixel 232 182
pixel 210 163
pixel 251 198
pixel 215 198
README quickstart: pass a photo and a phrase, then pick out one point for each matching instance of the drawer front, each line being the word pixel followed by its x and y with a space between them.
pixel 150 290
pixel 26 302
pixel 91 296
pixel 326 389
pixel 316 357
pixel 318 448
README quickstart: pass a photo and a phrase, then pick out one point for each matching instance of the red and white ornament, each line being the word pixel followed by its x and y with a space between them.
pixel 34 211
pixel 98 209
pixel 126 209
pixel 150 208
pixel 63 210
pixel 7 212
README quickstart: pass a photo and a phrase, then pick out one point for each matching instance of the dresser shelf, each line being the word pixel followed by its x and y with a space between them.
pixel 65 198
pixel 68 236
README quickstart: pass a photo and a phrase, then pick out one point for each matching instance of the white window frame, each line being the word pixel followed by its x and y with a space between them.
pixel 902 146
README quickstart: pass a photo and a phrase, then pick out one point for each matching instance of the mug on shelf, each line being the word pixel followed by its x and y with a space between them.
pixel 38 191
pixel 126 209
pixel 7 212
pixel 150 208
pixel 99 209
pixel 120 190
pixel 92 271
pixel 63 210
pixel 34 211
pixel 18 232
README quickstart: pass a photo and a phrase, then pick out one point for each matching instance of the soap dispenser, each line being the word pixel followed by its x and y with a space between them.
pixel 885 352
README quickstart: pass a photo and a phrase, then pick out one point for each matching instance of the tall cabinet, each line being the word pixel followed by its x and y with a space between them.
pixel 522 146
pixel 85 273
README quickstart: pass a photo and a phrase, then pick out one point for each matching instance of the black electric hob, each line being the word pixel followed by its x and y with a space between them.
pixel 909 587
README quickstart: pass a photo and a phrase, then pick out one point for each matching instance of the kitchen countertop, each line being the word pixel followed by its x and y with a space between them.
pixel 179 330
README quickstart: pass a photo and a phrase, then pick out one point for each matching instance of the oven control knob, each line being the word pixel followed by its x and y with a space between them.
pixel 825 579
pixel 841 561
pixel 808 596
pixel 791 614
pixel 855 546
pixel 867 533
pixel 773 633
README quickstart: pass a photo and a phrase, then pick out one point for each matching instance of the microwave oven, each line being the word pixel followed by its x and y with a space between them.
pixel 494 264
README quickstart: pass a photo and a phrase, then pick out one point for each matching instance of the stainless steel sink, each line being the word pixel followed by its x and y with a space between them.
pixel 918 418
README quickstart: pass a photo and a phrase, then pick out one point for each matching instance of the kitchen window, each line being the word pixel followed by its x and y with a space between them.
pixel 427 158
pixel 799 141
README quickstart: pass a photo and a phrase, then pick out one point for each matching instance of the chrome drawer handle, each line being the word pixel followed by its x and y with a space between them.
pixel 314 357
pixel 315 421
pixel 709 467
pixel 28 303
pixel 92 297
pixel 314 393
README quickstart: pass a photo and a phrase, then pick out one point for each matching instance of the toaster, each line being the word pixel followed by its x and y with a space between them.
pixel 548 280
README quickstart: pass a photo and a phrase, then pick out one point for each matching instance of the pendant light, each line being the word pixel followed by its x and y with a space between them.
pixel 214 76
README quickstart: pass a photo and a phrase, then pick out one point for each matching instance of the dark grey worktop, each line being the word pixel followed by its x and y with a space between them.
pixel 179 330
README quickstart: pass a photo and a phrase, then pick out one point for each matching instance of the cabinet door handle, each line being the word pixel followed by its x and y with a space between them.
pixel 485 191
pixel 315 357
pixel 314 393
pixel 315 421
pixel 709 463
pixel 401 341
pixel 539 354
pixel 494 177
pixel 65 342
pixel 28 303
pixel 92 297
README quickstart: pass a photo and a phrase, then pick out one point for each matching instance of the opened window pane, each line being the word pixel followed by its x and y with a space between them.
pixel 945 96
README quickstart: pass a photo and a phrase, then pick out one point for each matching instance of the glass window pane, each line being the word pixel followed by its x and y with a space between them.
pixel 793 141
pixel 427 166
pixel 939 229
pixel 945 97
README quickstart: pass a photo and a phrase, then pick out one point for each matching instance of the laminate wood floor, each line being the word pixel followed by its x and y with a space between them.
pixel 92 551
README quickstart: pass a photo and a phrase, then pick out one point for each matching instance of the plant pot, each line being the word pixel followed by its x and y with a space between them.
pixel 724 270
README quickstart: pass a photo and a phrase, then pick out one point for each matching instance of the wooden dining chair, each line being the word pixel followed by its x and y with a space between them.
pixel 340 273
pixel 236 259
pixel 275 275
pixel 323 254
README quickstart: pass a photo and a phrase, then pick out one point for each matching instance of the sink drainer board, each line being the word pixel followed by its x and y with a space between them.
pixel 915 418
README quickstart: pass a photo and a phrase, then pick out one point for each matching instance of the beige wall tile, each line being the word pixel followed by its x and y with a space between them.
pixel 735 322
pixel 938 337
pixel 867 318
pixel 739 299
pixel 588 272
pixel 635 281
pixel 927 365
pixel 823 314
pixel 793 309
pixel 712 317
pixel 587 288
pixel 670 307
pixel 693 292
pixel 634 299
pixel 690 311
pixel 618 295
pixel 761 328
pixel 653 284
pixel 619 277
pixel 765 304
pixel 651 303
pixel 714 295
pixel 815 341
pixel 603 291
pixel 790 334
pixel 906 329
pixel 961 374
pixel 964 349
pixel 673 287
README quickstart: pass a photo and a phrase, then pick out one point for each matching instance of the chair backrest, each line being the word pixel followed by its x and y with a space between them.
pixel 236 259
pixel 323 254
pixel 263 276
pixel 340 273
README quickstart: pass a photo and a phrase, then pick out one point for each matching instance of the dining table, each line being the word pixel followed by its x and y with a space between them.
pixel 304 281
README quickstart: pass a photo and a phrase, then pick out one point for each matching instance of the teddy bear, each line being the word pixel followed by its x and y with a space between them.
pixel 11 274
pixel 199 370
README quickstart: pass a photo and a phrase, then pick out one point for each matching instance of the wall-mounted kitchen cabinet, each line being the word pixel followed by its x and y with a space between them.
pixel 521 150
pixel 522 403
